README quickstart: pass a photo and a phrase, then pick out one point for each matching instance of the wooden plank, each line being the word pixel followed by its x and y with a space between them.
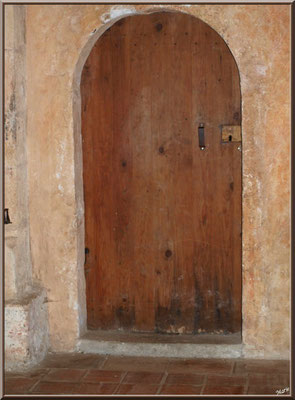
pixel 217 188
pixel 97 118
pixel 142 195
pixel 122 310
pixel 173 174
pixel 166 304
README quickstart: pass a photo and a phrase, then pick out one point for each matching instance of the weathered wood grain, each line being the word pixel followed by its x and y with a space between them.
pixel 162 217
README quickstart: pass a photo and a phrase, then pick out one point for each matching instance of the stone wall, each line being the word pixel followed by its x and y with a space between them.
pixel 58 40
pixel 26 332
pixel 26 325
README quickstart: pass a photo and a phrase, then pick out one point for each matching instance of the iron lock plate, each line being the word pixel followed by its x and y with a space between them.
pixel 231 133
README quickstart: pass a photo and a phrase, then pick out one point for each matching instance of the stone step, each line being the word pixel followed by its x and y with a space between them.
pixel 161 345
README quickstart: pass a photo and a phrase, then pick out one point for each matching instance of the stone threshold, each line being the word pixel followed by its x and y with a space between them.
pixel 161 345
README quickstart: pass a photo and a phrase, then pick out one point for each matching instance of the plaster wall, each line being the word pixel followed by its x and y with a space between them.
pixel 10 156
pixel 26 320
pixel 58 40
pixel 17 245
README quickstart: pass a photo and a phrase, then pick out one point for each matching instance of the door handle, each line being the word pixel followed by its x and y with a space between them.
pixel 201 131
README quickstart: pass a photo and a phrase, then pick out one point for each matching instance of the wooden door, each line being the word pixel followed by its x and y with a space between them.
pixel 163 216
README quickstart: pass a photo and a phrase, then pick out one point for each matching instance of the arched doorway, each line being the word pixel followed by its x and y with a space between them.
pixel 161 116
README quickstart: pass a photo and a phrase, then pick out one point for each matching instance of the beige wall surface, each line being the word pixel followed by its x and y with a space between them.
pixel 18 280
pixel 58 40
pixel 26 321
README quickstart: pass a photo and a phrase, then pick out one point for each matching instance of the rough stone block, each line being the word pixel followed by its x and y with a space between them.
pixel 26 331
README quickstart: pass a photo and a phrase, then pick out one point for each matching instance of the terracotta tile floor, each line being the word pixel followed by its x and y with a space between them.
pixel 95 374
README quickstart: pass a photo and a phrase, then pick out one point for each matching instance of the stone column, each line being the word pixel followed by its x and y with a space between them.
pixel 26 332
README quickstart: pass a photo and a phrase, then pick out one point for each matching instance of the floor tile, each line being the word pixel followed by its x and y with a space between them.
pixel 31 373
pixel 97 388
pixel 96 376
pixel 18 385
pixel 280 380
pixel 137 388
pixel 146 364
pixel 181 389
pixel 215 380
pixel 219 389
pixel 143 377
pixel 200 366
pixel 191 379
pixel 56 388
pixel 266 389
pixel 73 360
pixel 261 366
pixel 78 373
pixel 64 374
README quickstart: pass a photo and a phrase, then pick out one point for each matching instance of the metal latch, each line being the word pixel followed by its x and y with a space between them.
pixel 6 217
pixel 201 131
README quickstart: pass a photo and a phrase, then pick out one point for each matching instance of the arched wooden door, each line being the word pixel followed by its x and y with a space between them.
pixel 162 214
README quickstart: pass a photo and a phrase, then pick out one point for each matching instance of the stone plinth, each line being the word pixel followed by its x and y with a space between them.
pixel 26 330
